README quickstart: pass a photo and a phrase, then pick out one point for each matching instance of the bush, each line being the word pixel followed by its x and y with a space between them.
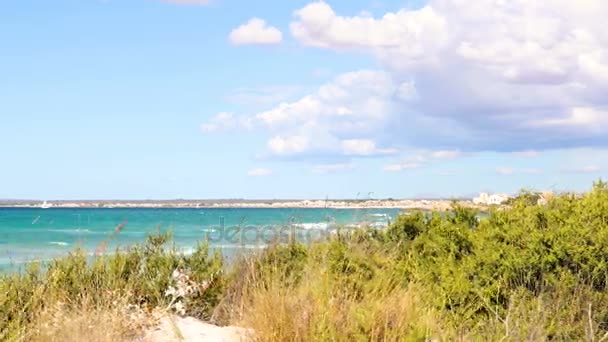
pixel 138 276
pixel 522 272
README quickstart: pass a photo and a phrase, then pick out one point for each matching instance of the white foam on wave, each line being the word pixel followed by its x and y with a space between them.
pixel 187 251
pixel 315 225
pixel 70 230
pixel 379 215
pixel 59 243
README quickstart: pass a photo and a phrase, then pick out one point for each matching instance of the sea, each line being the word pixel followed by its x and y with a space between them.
pixel 36 234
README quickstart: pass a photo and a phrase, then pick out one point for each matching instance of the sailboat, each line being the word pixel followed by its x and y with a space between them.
pixel 45 205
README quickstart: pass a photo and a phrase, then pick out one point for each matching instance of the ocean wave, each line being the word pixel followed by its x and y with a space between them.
pixel 316 225
pixel 59 243
pixel 379 215
pixel 70 231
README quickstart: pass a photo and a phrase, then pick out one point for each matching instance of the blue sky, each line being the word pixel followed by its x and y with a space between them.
pixel 190 99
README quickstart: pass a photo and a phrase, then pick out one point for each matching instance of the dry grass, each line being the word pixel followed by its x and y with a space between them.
pixel 280 316
pixel 322 307
pixel 529 273
pixel 106 298
pixel 119 322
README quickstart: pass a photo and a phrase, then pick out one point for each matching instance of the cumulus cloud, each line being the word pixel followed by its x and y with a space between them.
pixel 225 121
pixel 508 76
pixel 342 118
pixel 487 75
pixel 259 172
pixel 256 32
pixel 318 25
pixel 364 147
pixel 289 145
pixel 446 154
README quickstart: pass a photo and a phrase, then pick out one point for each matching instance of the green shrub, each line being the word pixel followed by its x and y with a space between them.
pixel 140 275
pixel 522 272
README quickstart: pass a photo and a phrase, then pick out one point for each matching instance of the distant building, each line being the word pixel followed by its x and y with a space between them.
pixel 487 199
pixel 481 199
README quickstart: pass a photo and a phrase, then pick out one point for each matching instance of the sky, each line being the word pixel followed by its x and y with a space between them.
pixel 194 99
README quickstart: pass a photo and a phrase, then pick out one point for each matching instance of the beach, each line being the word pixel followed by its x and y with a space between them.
pixel 422 204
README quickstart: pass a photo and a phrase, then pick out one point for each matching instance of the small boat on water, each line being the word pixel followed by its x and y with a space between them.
pixel 45 205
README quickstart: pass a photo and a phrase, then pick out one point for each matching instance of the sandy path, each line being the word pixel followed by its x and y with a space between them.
pixel 188 329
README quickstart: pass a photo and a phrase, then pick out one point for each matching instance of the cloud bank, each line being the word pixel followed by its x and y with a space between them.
pixel 255 32
pixel 481 75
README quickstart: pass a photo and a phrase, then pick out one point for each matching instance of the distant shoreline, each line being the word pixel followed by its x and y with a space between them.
pixel 254 204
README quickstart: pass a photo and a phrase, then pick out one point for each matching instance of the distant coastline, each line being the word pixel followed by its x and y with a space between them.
pixel 434 204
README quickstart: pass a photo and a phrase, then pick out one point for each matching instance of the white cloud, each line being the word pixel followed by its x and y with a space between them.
pixel 221 121
pixel 225 121
pixel 487 75
pixel 363 147
pixel 319 26
pixel 579 117
pixel 288 145
pixel 343 117
pixel 506 76
pixel 446 154
pixel 259 172
pixel 257 32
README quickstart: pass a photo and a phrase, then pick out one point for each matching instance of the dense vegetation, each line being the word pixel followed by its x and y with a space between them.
pixel 526 272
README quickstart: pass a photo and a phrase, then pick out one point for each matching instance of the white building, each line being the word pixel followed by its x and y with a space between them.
pixel 481 199
pixel 494 199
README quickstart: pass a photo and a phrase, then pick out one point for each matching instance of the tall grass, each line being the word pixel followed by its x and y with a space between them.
pixel 128 285
pixel 526 272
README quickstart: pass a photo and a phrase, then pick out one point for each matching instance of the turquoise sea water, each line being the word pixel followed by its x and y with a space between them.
pixel 28 234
